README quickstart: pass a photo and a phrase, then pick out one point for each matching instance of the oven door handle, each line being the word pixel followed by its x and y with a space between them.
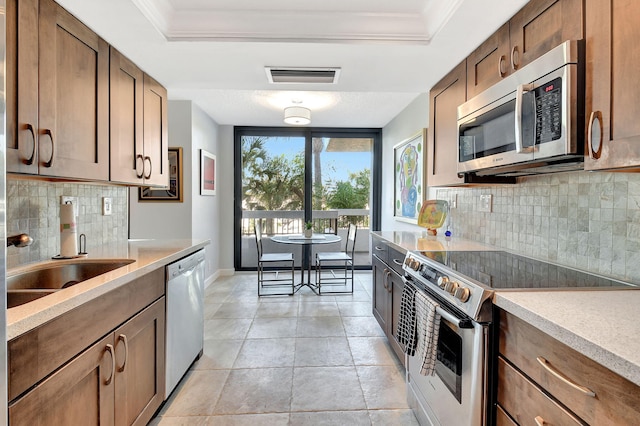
pixel 458 322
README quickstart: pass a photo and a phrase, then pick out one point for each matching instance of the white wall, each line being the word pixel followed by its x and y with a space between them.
pixel 225 194
pixel 197 216
pixel 410 121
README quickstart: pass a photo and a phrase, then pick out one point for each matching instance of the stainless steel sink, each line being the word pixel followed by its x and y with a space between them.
pixel 31 284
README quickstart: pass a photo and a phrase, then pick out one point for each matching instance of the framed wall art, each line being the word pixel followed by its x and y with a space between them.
pixel 174 191
pixel 207 173
pixel 408 157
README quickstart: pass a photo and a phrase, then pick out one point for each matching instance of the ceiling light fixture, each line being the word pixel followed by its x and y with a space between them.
pixel 297 115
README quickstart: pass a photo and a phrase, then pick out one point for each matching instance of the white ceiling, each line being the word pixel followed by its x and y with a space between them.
pixel 214 52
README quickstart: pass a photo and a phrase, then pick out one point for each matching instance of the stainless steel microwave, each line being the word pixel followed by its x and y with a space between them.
pixel 530 122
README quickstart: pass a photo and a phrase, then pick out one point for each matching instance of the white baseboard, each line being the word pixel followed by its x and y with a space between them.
pixel 219 273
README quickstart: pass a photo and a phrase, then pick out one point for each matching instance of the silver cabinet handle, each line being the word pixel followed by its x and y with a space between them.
pixel 539 421
pixel 109 349
pixel 397 262
pixel 501 70
pixel 545 364
pixel 50 162
pixel 139 175
pixel 147 158
pixel 29 161
pixel 386 275
pixel 519 95
pixel 515 58
pixel 122 338
pixel 595 130
pixel 379 248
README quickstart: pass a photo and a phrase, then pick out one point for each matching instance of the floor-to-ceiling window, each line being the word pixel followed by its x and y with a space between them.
pixel 288 176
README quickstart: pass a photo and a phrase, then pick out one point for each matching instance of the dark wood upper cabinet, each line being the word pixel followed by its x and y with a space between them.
pixel 139 151
pixel 156 150
pixel 489 63
pixel 73 97
pixel 612 63
pixel 442 144
pixel 542 25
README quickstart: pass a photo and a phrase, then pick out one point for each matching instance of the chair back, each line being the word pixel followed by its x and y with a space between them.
pixel 350 244
pixel 258 231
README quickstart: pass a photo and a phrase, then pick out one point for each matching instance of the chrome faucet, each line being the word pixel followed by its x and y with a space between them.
pixel 20 240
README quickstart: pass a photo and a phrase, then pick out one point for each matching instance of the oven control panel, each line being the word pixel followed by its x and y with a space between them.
pixel 449 285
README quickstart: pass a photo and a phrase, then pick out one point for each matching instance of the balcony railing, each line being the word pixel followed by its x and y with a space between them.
pixel 276 222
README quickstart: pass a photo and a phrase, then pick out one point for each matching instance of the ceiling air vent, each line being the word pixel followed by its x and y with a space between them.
pixel 279 75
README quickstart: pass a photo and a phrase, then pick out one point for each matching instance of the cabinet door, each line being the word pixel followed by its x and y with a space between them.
pixel 156 151
pixel 22 85
pixel 80 393
pixel 139 383
pixel 442 146
pixel 542 25
pixel 489 63
pixel 380 293
pixel 125 95
pixel 73 135
pixel 397 287
pixel 613 134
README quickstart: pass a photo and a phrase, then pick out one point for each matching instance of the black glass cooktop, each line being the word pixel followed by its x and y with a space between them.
pixel 504 270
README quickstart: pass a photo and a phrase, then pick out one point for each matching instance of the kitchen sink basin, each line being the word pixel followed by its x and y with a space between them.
pixel 25 286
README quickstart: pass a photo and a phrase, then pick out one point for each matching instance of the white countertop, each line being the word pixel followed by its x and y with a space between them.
pixel 601 324
pixel 149 255
pixel 421 241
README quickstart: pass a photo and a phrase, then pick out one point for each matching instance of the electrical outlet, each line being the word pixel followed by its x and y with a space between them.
pixel 486 203
pixel 107 206
pixel 73 200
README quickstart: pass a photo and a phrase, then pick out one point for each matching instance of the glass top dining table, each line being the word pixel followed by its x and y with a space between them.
pixel 306 243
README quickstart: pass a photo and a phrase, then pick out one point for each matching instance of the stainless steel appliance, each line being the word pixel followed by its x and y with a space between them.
pixel 530 122
pixel 463 283
pixel 185 316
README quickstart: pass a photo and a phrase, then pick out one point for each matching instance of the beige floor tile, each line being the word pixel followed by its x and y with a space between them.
pixel 269 328
pixel 197 393
pixel 372 351
pixel 262 353
pixel 355 309
pixel 318 309
pixel 326 389
pixel 210 309
pixel 218 354
pixel 253 391
pixel 226 328
pixel 362 327
pixel 319 327
pixel 322 352
pixel 236 310
pixel 250 420
pixel 331 418
pixel 180 421
pixel 383 386
pixel 393 417
pixel 278 309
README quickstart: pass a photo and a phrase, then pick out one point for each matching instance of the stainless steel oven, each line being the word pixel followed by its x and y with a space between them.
pixel 463 283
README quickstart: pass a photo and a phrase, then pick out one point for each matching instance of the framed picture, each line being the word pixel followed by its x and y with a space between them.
pixel 174 191
pixel 207 173
pixel 408 157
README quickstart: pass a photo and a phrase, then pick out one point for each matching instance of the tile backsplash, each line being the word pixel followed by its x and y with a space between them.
pixel 33 207
pixel 590 221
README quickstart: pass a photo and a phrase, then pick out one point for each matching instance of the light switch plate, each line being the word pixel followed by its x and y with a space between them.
pixel 107 206
pixel 486 201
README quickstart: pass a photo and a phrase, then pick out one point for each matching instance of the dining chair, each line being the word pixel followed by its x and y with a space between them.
pixel 275 263
pixel 337 261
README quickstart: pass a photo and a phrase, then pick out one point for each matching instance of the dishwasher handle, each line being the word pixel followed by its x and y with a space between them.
pixel 185 266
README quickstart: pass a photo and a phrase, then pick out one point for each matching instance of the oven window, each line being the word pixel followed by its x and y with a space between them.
pixel 449 363
pixel 491 133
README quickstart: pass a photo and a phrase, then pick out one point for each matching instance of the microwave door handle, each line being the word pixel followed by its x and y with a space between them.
pixel 520 149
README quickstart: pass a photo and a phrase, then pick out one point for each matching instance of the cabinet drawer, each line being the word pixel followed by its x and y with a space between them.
pixel 526 403
pixel 395 259
pixel 379 248
pixel 526 347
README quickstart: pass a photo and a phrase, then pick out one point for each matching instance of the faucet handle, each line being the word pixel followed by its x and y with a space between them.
pixel 20 240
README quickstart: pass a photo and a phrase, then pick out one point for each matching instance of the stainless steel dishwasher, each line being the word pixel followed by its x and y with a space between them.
pixel 185 316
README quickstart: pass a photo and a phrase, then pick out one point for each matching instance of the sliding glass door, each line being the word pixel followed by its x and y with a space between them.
pixel 286 177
